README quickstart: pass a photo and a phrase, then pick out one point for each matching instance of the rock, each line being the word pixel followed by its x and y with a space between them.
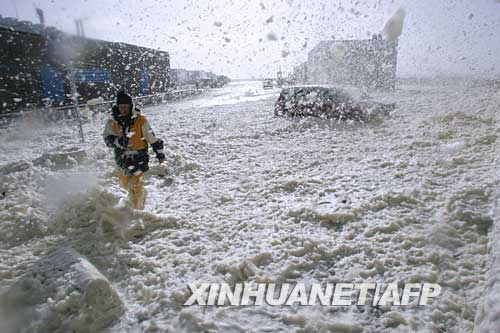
pixel 62 292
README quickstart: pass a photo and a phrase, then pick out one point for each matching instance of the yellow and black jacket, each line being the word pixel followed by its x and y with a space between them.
pixel 130 137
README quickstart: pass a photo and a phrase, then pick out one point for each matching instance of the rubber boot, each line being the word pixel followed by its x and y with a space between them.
pixel 137 194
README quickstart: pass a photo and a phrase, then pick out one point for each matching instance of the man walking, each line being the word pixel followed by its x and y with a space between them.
pixel 128 132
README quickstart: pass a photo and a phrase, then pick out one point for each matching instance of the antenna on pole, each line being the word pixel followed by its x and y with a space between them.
pixel 77 24
pixel 79 28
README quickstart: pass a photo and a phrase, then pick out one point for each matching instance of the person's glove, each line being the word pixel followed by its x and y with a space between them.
pixel 114 141
pixel 158 149
pixel 121 143
pixel 160 157
pixel 110 140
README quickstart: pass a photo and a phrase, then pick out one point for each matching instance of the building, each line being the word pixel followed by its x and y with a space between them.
pixel 202 79
pixel 365 63
pixel 37 64
pixel 300 73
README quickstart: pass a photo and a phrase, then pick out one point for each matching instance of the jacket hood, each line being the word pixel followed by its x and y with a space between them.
pixel 115 113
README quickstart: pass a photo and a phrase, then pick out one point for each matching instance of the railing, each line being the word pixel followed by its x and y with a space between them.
pixel 93 106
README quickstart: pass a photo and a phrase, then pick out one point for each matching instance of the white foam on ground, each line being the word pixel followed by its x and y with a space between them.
pixel 255 197
pixel 488 313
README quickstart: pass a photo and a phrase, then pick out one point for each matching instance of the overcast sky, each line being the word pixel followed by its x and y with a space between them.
pixel 245 38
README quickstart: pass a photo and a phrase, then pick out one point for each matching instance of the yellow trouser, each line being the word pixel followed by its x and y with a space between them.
pixel 134 184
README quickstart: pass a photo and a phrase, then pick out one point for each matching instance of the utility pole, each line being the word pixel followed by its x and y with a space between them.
pixel 77 24
pixel 74 93
pixel 41 16
pixel 79 28
pixel 72 81
pixel 279 77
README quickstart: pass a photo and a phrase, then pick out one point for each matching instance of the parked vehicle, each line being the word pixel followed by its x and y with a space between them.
pixel 327 102
pixel 268 84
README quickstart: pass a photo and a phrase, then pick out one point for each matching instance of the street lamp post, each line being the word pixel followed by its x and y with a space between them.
pixel 74 94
